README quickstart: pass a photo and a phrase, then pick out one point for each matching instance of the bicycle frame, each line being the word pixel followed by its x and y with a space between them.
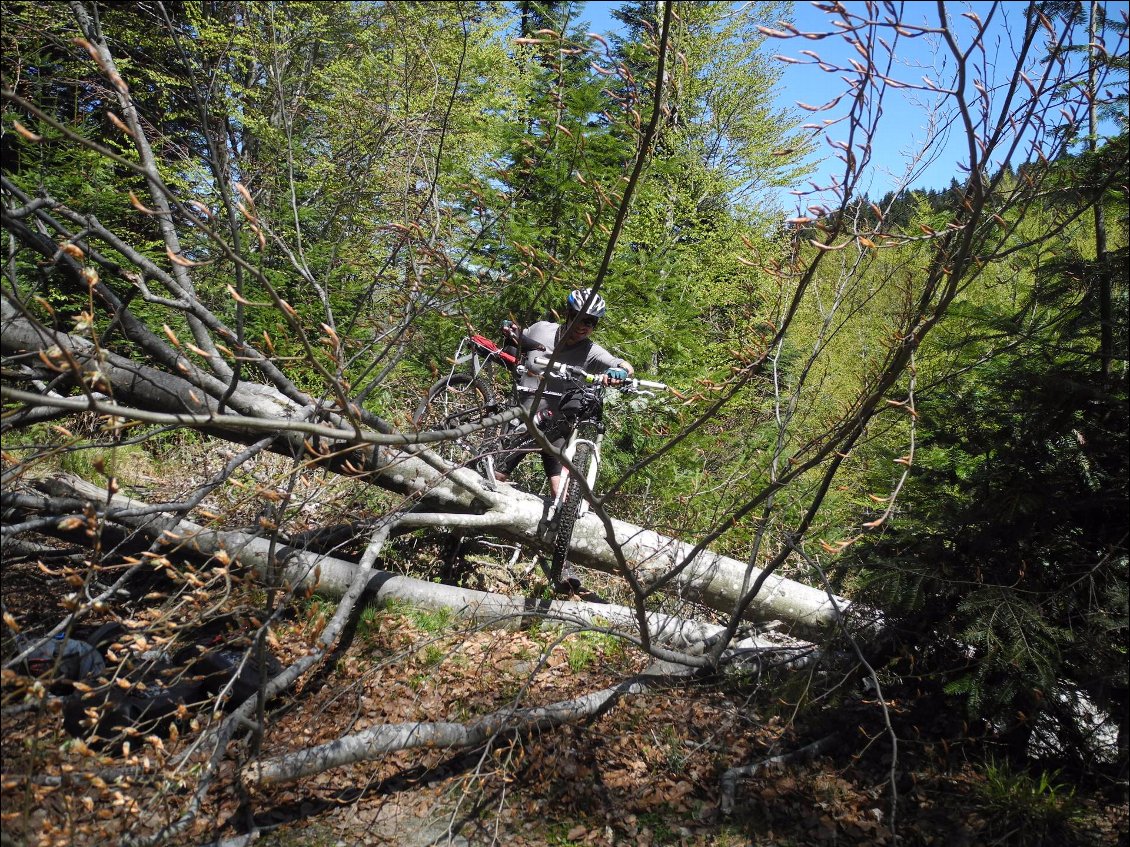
pixel 582 409
pixel 589 429
pixel 482 353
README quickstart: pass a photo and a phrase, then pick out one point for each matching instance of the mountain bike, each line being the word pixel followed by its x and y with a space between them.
pixel 470 394
pixel 482 382
pixel 580 414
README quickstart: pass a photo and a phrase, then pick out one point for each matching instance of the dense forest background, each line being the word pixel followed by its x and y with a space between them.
pixel 242 239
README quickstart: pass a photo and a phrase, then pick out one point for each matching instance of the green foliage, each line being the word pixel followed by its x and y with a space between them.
pixel 1028 809
pixel 434 621
pixel 1006 564
pixel 84 456
pixel 94 463
pixel 1017 644
pixel 535 217
pixel 585 647
pixel 369 621
pixel 434 655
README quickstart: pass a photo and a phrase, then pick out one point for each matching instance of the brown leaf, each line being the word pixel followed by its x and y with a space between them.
pixel 25 132
pixel 141 207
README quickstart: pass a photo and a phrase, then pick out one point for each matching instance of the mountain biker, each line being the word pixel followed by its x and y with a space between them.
pixel 571 344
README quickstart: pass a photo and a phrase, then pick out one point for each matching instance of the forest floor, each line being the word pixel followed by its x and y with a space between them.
pixel 646 772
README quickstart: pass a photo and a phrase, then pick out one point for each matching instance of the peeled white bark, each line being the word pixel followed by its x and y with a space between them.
pixel 376 741
pixel 457 499
pixel 334 576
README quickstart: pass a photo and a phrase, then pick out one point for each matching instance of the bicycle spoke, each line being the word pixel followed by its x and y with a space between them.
pixel 455 402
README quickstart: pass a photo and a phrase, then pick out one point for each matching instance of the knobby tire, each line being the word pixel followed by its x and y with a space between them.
pixel 567 517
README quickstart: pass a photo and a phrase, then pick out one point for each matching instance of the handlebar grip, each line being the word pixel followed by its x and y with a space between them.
pixel 644 383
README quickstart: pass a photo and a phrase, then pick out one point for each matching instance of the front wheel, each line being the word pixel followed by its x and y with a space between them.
pixel 453 402
pixel 567 516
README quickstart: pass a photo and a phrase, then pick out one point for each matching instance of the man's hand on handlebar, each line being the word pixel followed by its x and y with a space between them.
pixel 511 331
pixel 615 376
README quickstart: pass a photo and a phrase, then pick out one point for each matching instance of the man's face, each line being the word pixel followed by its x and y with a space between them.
pixel 578 328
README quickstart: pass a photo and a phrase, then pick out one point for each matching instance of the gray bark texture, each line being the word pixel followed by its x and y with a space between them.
pixel 440 496
pixel 380 740
pixel 333 577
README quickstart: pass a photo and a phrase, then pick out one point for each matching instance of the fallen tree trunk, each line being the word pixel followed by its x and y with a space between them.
pixel 684 639
pixel 444 497
pixel 679 639
pixel 379 740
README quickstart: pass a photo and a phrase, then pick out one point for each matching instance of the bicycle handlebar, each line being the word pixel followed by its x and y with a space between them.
pixel 565 371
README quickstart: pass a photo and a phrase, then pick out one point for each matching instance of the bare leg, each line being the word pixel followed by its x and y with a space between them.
pixel 555 484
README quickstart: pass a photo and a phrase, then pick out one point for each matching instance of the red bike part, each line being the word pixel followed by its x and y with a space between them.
pixel 489 347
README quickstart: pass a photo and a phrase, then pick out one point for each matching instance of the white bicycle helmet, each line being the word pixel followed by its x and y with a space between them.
pixel 578 297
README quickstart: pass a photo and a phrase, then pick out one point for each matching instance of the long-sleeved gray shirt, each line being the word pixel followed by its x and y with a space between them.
pixel 542 339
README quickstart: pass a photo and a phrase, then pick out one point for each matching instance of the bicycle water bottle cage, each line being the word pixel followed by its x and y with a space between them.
pixel 491 349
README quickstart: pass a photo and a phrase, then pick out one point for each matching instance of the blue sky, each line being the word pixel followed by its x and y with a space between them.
pixel 903 125
pixel 904 121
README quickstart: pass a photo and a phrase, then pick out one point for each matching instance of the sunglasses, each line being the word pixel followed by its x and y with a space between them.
pixel 585 320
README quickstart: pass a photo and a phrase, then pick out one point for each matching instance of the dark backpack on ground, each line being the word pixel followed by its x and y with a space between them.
pixel 169 690
pixel 68 659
